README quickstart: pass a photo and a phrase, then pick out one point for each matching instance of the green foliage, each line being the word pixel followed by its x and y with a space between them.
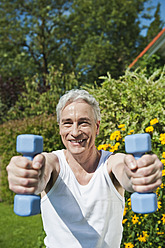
pixel 151 64
pixel 155 27
pixel 42 125
pixel 133 99
pixel 135 104
pixel 142 230
pixel 86 36
pixel 104 36
pixel 33 101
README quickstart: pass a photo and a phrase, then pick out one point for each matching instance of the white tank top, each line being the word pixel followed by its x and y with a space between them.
pixel 82 216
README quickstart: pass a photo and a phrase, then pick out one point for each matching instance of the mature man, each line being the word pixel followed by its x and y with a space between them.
pixel 82 188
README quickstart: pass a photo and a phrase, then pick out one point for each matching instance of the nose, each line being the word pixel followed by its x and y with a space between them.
pixel 75 131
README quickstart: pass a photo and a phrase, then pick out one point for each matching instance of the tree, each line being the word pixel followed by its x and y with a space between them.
pixel 30 42
pixel 89 37
pixel 103 36
pixel 30 35
pixel 155 27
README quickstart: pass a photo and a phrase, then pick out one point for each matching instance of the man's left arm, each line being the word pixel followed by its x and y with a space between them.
pixel 142 175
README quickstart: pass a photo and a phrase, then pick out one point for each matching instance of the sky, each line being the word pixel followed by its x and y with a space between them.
pixel 162 12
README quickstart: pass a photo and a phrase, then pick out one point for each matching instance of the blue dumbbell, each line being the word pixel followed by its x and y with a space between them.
pixel 138 144
pixel 29 145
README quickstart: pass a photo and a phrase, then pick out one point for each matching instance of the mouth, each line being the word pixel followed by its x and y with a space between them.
pixel 77 141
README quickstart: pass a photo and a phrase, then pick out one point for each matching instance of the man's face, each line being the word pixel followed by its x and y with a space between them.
pixel 78 128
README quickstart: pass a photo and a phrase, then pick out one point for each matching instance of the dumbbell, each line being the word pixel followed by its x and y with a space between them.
pixel 138 145
pixel 29 145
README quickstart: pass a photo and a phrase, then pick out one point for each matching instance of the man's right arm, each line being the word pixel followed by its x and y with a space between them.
pixel 32 177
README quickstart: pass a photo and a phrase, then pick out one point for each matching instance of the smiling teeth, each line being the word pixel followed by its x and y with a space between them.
pixel 76 141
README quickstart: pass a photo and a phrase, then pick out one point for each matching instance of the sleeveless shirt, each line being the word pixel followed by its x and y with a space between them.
pixel 82 216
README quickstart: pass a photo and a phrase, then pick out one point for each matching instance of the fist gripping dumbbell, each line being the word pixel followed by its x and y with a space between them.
pixel 29 145
pixel 138 144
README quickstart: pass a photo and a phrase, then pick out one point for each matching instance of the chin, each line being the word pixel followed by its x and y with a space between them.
pixel 76 149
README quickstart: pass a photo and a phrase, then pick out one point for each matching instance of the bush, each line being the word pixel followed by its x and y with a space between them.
pixel 135 104
pixel 42 125
pixel 133 100
pixel 34 101
pixel 142 230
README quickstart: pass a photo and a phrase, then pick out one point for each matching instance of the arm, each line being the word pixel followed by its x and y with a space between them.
pixel 29 177
pixel 142 175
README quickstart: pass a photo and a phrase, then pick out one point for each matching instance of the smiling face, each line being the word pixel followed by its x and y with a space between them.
pixel 78 128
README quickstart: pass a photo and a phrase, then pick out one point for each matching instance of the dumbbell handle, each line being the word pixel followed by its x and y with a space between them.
pixel 138 155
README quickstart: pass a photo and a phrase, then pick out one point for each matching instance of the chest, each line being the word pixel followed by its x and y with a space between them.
pixel 82 177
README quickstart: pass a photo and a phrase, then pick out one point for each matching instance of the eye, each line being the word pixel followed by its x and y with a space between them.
pixel 84 123
pixel 67 123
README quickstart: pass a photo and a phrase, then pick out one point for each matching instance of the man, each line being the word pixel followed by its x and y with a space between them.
pixel 82 188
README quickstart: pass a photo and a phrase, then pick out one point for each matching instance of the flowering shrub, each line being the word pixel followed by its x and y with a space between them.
pixel 146 230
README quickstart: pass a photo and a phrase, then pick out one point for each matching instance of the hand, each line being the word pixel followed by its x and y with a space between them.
pixel 24 175
pixel 145 173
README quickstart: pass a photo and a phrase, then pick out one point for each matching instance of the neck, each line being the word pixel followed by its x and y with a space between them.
pixel 88 161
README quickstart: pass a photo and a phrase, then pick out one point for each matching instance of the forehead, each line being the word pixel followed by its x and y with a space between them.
pixel 80 108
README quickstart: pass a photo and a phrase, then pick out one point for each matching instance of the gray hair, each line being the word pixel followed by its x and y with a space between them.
pixel 74 95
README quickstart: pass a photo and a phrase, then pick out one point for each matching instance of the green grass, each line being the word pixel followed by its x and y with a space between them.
pixel 18 232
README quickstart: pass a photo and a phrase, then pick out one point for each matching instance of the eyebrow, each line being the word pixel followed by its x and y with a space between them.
pixel 81 119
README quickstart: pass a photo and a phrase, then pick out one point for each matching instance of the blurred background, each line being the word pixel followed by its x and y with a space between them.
pixel 115 50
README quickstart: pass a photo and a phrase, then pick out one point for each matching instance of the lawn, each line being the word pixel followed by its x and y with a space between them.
pixel 18 232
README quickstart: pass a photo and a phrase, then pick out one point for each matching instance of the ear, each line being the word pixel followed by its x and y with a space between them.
pixel 97 127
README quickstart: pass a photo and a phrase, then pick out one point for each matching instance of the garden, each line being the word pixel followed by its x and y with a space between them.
pixel 134 103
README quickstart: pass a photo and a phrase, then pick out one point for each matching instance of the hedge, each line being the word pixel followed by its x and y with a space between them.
pixel 42 125
pixel 135 104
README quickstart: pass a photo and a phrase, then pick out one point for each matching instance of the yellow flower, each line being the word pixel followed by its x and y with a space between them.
pixel 163 219
pixel 131 131
pixel 128 245
pixel 149 129
pixel 117 145
pixel 103 147
pixel 163 155
pixel 162 138
pixel 115 135
pixel 124 221
pixel 160 233
pixel 154 121
pixel 129 202
pixel 135 219
pixel 163 173
pixel 162 185
pixel 125 211
pixel 159 204
pixel 121 126
pixel 143 238
pixel 163 161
